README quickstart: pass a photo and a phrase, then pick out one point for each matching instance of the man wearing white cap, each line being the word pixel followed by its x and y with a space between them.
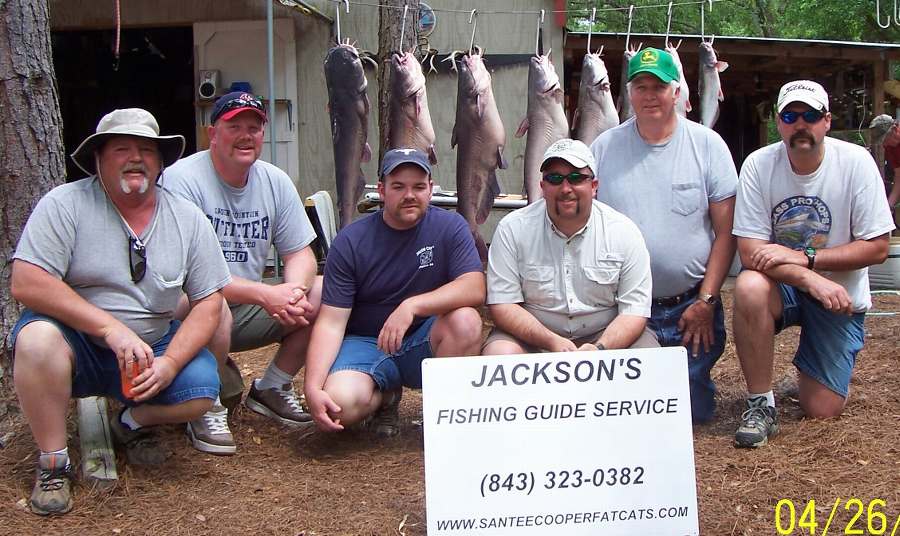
pixel 811 216
pixel 100 268
pixel 568 273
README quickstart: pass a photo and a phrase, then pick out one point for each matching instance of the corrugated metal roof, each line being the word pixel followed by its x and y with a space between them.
pixel 761 40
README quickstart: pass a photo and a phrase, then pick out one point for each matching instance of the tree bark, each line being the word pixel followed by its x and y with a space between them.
pixel 32 159
pixel 389 28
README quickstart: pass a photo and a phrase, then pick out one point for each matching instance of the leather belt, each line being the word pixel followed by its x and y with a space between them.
pixel 670 301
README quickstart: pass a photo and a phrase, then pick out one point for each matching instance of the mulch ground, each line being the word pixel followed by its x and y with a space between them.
pixel 288 483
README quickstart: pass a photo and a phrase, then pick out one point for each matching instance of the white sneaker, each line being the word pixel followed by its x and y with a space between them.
pixel 210 433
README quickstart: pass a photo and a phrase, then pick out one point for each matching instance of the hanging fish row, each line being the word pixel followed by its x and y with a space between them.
pixel 478 134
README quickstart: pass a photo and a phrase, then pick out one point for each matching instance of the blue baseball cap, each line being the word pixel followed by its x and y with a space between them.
pixel 397 157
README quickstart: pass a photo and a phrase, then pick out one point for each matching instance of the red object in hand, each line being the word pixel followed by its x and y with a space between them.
pixel 127 384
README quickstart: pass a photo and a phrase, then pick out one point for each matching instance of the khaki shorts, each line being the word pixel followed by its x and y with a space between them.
pixel 252 327
pixel 646 340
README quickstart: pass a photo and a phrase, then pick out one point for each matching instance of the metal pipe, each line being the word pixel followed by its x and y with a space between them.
pixel 270 45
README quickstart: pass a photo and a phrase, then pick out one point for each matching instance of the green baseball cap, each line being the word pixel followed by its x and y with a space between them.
pixel 657 62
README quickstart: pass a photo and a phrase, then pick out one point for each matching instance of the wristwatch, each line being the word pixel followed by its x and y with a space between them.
pixel 708 299
pixel 810 257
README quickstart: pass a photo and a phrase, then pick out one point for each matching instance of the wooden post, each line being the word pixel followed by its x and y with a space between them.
pixel 98 459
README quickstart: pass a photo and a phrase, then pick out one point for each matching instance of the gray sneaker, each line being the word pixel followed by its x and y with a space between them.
pixel 141 446
pixel 282 405
pixel 385 422
pixel 52 493
pixel 758 423
pixel 210 433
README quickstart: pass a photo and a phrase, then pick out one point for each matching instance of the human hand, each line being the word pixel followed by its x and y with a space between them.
pixel 831 295
pixel 562 344
pixel 696 326
pixel 287 303
pixel 390 338
pixel 322 407
pixel 128 347
pixel 588 347
pixel 155 379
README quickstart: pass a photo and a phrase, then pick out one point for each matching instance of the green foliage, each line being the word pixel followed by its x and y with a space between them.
pixel 844 20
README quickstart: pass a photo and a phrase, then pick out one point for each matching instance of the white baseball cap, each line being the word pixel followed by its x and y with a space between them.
pixel 574 152
pixel 805 91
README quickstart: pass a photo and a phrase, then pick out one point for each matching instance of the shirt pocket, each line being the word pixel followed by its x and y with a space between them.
pixel 538 285
pixel 685 198
pixel 162 294
pixel 602 283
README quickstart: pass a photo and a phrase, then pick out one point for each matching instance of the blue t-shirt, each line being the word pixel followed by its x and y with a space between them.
pixel 371 267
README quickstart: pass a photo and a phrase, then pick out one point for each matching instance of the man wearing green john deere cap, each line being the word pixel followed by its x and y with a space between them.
pixel 676 180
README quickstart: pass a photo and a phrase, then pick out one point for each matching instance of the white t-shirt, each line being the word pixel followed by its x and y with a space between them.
pixel 839 203
pixel 574 286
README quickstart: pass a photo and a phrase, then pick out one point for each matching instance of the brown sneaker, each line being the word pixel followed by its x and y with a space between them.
pixel 141 446
pixel 385 422
pixel 210 433
pixel 282 405
pixel 52 493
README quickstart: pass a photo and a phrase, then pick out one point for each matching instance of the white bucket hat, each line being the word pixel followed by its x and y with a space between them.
pixel 127 122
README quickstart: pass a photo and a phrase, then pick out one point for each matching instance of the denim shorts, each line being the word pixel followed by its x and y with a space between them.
pixel 829 341
pixel 664 322
pixel 389 371
pixel 97 369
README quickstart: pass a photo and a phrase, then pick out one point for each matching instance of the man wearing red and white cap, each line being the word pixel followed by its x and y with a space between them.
pixel 252 206
pixel 810 217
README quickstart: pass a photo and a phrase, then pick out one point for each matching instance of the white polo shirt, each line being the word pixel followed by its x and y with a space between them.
pixel 574 286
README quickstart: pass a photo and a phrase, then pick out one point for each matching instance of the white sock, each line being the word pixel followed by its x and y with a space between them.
pixel 49 458
pixel 128 420
pixel 274 378
pixel 770 397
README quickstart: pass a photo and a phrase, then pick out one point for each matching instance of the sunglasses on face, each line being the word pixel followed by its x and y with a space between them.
pixel 574 178
pixel 809 116
pixel 137 259
pixel 237 103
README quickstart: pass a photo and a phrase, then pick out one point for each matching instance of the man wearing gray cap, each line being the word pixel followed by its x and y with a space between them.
pixel 100 268
pixel 401 285
pixel 811 216
pixel 568 272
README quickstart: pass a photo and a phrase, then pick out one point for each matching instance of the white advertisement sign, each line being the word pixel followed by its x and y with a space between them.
pixel 582 443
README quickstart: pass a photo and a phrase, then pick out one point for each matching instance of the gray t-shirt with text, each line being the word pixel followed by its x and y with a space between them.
pixel 249 220
pixel 75 234
pixel 666 190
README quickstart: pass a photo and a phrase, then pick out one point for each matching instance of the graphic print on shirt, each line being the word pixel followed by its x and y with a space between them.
pixel 239 231
pixel 801 221
pixel 426 257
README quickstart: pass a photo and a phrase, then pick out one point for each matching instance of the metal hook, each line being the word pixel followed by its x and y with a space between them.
pixel 896 13
pixel 337 19
pixel 537 34
pixel 474 22
pixel 887 23
pixel 403 27
pixel 668 25
pixel 703 22
pixel 591 29
pixel 628 32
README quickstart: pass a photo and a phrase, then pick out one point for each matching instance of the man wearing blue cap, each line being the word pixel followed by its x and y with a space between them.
pixel 676 180
pixel 252 206
pixel 401 285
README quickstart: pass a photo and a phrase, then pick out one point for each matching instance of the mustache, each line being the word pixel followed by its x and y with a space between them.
pixel 135 167
pixel 802 135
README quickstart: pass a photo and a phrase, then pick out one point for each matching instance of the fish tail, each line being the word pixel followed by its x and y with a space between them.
pixel 492 188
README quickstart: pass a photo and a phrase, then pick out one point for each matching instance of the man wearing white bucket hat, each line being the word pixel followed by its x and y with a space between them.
pixel 568 272
pixel 100 267
pixel 811 216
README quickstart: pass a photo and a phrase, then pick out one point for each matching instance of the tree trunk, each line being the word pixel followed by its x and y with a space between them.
pixel 32 159
pixel 389 28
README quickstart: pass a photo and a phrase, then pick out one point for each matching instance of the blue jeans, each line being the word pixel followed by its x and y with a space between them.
pixel 97 369
pixel 389 371
pixel 664 322
pixel 829 341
